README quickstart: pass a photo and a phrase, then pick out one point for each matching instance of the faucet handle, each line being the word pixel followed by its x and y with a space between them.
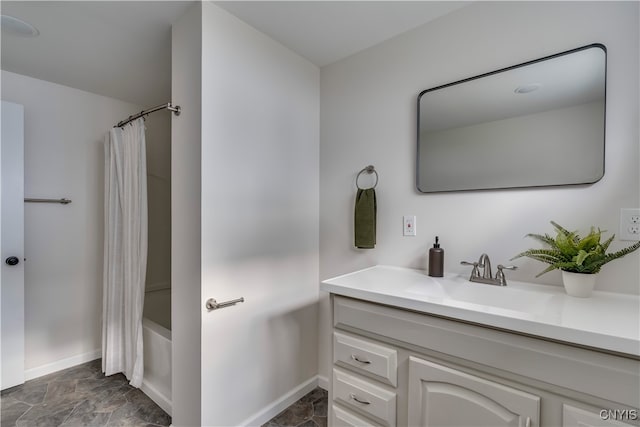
pixel 502 280
pixel 475 272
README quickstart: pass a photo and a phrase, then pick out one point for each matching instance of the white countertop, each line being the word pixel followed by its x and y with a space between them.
pixel 607 321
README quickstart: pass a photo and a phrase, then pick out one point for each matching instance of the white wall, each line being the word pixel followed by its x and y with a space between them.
pixel 158 138
pixel 185 218
pixel 368 116
pixel 260 127
pixel 64 157
pixel 158 279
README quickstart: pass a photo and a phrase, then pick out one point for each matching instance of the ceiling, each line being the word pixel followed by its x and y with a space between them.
pixel 122 49
pixel 116 49
pixel 327 31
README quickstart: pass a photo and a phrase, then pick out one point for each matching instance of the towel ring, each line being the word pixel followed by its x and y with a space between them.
pixel 369 169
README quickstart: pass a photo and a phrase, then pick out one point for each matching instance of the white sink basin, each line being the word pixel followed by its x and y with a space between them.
pixel 508 298
pixel 456 289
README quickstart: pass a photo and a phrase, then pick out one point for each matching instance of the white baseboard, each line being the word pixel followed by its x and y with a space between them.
pixel 279 405
pixel 323 382
pixel 156 396
pixel 59 365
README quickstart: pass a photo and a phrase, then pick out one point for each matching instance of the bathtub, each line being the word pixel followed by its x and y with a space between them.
pixel 156 382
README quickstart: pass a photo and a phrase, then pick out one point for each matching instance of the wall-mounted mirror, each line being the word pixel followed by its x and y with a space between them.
pixel 540 123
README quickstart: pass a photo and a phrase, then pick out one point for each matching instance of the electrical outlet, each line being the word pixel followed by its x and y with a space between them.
pixel 629 224
pixel 409 225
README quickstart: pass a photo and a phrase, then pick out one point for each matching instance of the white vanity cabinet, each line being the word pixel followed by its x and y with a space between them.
pixel 397 367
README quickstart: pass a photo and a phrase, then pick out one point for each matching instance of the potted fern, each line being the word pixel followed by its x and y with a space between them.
pixel 579 258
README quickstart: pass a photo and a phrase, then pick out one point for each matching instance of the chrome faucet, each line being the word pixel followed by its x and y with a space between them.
pixel 487 275
pixel 485 264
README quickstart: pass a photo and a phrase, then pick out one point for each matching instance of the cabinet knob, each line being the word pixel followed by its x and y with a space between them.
pixel 527 423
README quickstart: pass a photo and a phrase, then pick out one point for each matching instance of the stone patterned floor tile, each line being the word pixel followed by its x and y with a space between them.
pixel 79 396
pixel 97 385
pixel 309 411
pixel 147 410
pixel 295 414
pixel 110 400
pixel 40 416
pixel 127 410
pixel 12 410
pixel 32 394
pixel 315 394
pixel 320 421
pixel 130 422
pixel 85 414
pixel 320 407
pixel 57 389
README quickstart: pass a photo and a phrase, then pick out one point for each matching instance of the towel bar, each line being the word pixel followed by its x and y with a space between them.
pixel 62 201
pixel 212 304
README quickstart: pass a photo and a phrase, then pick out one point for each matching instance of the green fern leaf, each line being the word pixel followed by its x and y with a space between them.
pixel 544 239
pixel 591 241
pixel 568 252
pixel 606 243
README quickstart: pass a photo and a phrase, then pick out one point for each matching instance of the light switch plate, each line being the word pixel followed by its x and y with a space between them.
pixel 629 224
pixel 409 225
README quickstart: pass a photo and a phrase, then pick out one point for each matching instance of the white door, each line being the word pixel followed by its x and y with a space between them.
pixel 441 396
pixel 12 245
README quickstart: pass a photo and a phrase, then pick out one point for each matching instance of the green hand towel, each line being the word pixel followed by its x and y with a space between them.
pixel 365 218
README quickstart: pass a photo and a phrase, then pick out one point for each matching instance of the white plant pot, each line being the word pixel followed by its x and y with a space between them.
pixel 578 284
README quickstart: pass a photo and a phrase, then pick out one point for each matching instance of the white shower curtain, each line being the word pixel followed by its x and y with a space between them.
pixel 125 251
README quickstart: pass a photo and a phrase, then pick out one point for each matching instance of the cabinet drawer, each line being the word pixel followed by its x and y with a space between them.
pixel 342 418
pixel 365 397
pixel 576 417
pixel 366 357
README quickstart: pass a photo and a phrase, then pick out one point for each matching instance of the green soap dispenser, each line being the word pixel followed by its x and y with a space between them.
pixel 436 260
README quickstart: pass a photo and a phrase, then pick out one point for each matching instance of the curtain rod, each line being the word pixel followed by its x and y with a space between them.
pixel 175 108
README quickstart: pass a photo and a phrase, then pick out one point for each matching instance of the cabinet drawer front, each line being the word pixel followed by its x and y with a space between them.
pixel 576 417
pixel 342 418
pixel 376 360
pixel 365 397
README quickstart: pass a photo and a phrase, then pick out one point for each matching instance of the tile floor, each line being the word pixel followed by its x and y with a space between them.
pixel 83 396
pixel 309 411
pixel 79 396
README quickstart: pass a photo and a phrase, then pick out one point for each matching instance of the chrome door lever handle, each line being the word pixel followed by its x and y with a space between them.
pixel 212 304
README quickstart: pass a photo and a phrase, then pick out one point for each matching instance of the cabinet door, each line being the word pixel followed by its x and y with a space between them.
pixel 442 396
